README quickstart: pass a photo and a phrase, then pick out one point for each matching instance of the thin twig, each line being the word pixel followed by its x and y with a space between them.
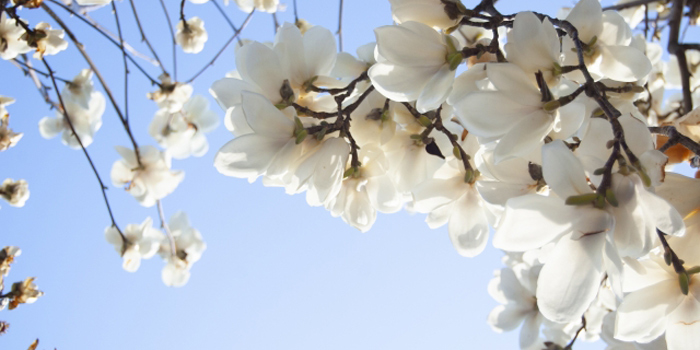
pixel 87 155
pixel 166 228
pixel 235 35
pixel 172 36
pixel 126 63
pixel 340 26
pixel 143 36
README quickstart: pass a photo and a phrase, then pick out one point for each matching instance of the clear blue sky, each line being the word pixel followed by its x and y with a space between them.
pixel 277 274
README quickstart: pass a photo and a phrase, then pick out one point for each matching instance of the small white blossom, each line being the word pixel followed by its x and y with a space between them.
pixel 191 36
pixel 142 242
pixel 171 96
pixel 51 41
pixel 148 181
pixel 11 41
pixel 188 247
pixel 86 121
pixel 8 138
pixel 15 192
pixel 182 133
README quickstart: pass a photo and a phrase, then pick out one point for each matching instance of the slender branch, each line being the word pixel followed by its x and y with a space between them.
pixel 143 36
pixel 296 12
pixel 166 228
pixel 87 155
pixel 235 35
pixel 675 48
pixel 340 25
pixel 228 20
pixel 172 36
pixel 109 38
pixel 126 63
pixel 29 67
pixel 99 76
pixel 578 332
pixel 630 4
pixel 674 138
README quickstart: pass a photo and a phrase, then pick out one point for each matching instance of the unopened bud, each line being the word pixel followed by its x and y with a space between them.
pixel 693 270
pixel 349 172
pixel 301 136
pixel 599 171
pixel 551 106
pixel 610 196
pixel 667 257
pixel 684 282
pixel 423 120
pixel 454 59
pixel 599 202
pixel 581 199
pixel 457 152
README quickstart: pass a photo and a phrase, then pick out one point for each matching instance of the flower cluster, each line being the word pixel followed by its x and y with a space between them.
pixel 545 137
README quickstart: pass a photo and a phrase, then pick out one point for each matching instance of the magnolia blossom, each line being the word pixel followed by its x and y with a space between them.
pixel 515 113
pixel 81 89
pixel 269 149
pixel 606 37
pixel 412 64
pixel 49 42
pixel 450 197
pixel 8 138
pixel 15 192
pixel 11 40
pixel 142 242
pixel 269 6
pixel 85 121
pixel 182 133
pixel 589 241
pixel 171 96
pixel 191 36
pixel 534 45
pixel 25 292
pixel 441 14
pixel 366 190
pixel 187 245
pixel 148 178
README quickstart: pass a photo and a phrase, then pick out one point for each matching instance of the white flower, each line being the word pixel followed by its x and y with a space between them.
pixel 322 172
pixel 269 6
pixel 515 114
pixel 8 138
pixel 15 192
pixel 607 38
pixel 270 149
pixel 440 14
pixel 413 64
pixel 192 36
pixel 514 288
pixel 11 41
pixel 182 133
pixel 533 45
pixel 188 246
pixel 81 90
pixel 148 181
pixel 367 190
pixel 51 41
pixel 86 122
pixel 171 96
pixel 142 242
pixel 450 199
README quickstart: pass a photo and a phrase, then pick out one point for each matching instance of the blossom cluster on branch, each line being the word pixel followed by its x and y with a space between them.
pixel 552 131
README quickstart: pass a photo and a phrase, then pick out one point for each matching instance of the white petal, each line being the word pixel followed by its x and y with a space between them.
pixel 562 171
pixel 641 312
pixel 624 63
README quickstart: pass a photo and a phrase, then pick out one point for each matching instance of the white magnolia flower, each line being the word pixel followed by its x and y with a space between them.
pixel 514 288
pixel 171 96
pixel 142 242
pixel 188 247
pixel 450 199
pixel 193 36
pixel 607 38
pixel 15 192
pixel 86 122
pixel 515 113
pixel 8 138
pixel 51 41
pixel 412 64
pixel 270 149
pixel 322 172
pixel 440 14
pixel 657 303
pixel 367 190
pixel 269 6
pixel 608 331
pixel 589 241
pixel 182 133
pixel 11 41
pixel 81 90
pixel 534 45
pixel 149 180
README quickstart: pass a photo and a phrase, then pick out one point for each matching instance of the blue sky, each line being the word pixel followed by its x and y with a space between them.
pixel 277 273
